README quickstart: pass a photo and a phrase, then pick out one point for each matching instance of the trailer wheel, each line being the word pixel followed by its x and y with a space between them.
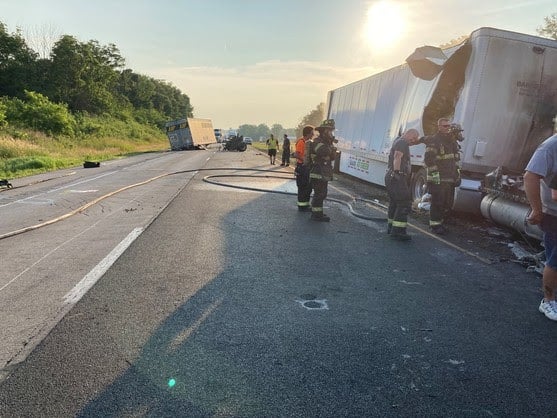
pixel 418 183
pixel 242 146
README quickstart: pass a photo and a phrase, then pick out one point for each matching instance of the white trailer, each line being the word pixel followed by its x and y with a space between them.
pixel 500 86
pixel 190 133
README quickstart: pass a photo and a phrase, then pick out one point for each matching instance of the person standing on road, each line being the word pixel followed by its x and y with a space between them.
pixel 397 181
pixel 539 169
pixel 302 170
pixel 272 147
pixel 321 154
pixel 441 159
pixel 285 151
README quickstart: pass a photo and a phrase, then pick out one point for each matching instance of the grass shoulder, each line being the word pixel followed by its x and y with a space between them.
pixel 25 152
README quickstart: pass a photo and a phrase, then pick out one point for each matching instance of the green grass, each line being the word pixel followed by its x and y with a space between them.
pixel 25 152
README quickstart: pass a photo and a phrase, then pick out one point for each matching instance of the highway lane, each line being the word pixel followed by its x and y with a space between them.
pixel 232 303
pixel 46 270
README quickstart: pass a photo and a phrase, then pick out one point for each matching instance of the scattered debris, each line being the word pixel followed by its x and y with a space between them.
pixel 534 262
pixel 5 183
pixel 499 233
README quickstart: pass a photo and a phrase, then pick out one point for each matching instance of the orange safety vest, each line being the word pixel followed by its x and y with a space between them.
pixel 300 150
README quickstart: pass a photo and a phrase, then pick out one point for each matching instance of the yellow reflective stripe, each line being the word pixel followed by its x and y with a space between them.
pixel 446 157
pixel 435 223
pixel 303 203
pixel 398 224
pixel 315 176
pixel 316 209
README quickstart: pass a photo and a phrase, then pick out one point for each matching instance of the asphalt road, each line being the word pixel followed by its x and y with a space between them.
pixel 52 250
pixel 232 303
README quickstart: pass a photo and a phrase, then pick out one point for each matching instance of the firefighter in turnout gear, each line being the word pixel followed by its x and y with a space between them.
pixel 321 154
pixel 443 175
pixel 397 181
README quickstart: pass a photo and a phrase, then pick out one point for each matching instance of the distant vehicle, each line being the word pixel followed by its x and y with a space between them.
pixel 231 134
pixel 218 135
pixel 235 143
pixel 190 133
pixel 248 140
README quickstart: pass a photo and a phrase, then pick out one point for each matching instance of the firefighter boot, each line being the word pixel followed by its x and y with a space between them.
pixel 399 234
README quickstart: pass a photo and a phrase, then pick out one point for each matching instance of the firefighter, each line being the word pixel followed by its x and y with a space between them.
pixel 397 181
pixel 302 170
pixel 321 154
pixel 443 175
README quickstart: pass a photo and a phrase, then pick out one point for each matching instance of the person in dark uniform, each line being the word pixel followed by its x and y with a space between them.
pixel 397 181
pixel 285 151
pixel 321 154
pixel 441 159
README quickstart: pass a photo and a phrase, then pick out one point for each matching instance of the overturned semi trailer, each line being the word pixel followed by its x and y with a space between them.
pixel 500 86
pixel 190 133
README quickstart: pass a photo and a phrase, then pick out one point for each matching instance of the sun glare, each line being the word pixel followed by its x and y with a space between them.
pixel 385 24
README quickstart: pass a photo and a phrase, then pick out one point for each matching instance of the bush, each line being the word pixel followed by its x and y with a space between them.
pixel 3 119
pixel 37 112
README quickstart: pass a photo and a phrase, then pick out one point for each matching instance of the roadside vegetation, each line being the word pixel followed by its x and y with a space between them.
pixel 77 102
pixel 37 136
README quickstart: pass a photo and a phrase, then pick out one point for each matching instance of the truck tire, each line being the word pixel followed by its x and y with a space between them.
pixel 418 183
pixel 242 146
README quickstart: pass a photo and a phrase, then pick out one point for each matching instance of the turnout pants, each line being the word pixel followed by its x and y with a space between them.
pixel 400 203
pixel 442 200
pixel 319 195
pixel 304 185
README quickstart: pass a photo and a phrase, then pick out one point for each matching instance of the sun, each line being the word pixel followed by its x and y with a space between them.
pixel 385 24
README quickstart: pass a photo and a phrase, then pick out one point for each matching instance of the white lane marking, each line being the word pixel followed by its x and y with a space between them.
pixel 83 191
pixel 48 254
pixel 73 296
pixel 109 173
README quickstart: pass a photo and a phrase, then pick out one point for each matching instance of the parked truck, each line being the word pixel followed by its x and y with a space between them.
pixel 190 133
pixel 218 135
pixel 500 86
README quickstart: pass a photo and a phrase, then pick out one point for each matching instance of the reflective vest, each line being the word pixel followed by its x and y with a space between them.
pixel 300 150
pixel 272 143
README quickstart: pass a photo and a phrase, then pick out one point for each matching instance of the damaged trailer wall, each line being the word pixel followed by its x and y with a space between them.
pixel 500 86
pixel 508 101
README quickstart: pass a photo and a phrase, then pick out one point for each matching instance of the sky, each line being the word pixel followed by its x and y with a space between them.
pixel 265 61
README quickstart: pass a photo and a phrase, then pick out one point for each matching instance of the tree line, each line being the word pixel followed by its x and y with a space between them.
pixel 314 118
pixel 82 78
